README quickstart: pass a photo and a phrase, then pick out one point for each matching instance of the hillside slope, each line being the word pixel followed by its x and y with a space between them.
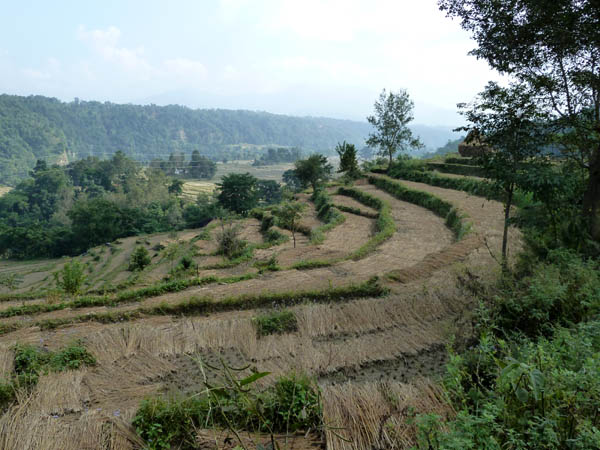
pixel 40 127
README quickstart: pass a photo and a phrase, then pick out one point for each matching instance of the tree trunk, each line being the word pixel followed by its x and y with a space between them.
pixel 509 197
pixel 591 200
pixel 391 160
pixel 294 237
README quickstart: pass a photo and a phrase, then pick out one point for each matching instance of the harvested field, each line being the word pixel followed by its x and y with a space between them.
pixel 375 358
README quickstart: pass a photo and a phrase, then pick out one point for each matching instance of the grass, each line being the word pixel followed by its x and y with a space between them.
pixel 276 322
pixel 207 305
pixel 454 220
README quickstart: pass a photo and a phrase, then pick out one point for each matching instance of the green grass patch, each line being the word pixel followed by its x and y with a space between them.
pixel 457 169
pixel 276 322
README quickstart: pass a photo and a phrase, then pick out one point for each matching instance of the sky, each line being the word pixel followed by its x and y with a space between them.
pixel 300 57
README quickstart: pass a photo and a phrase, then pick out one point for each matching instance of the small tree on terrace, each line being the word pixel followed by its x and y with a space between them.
pixel 511 124
pixel 393 112
pixel 348 161
pixel 314 170
pixel 288 215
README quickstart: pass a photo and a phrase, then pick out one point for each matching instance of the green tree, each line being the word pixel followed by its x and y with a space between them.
pixel 176 187
pixel 292 181
pixel 554 46
pixel 393 113
pixel 288 215
pixel 314 170
pixel 238 192
pixel 71 277
pixel 508 121
pixel 269 191
pixel 139 259
pixel 348 161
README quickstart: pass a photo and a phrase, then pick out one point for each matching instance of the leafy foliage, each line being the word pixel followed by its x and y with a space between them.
pixel 291 404
pixel 276 322
pixel 71 277
pixel 140 258
pixel 348 161
pixel 238 192
pixel 313 171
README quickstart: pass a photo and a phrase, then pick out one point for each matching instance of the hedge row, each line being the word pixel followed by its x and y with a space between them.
pixel 440 207
pixel 458 169
pixel 384 225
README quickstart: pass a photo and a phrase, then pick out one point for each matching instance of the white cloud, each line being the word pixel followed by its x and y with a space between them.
pixel 105 43
pixel 186 68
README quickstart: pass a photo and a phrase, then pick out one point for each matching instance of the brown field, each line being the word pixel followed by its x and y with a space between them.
pixel 4 190
pixel 374 359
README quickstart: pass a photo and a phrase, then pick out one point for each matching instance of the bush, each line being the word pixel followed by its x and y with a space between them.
pixel 140 258
pixel 30 362
pixel 562 290
pixel 292 404
pixel 277 322
pixel 229 243
pixel 526 395
pixel 71 277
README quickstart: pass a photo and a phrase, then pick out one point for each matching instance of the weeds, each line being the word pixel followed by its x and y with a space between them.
pixel 293 403
pixel 277 322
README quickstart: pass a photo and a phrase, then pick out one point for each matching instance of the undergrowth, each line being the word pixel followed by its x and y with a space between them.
pixel 276 322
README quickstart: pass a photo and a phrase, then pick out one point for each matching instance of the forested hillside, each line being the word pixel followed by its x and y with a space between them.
pixel 39 127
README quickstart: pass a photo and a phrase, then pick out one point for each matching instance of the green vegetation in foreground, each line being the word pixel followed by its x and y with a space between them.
pixel 276 322
pixel 31 362
pixel 292 404
pixel 207 305
pixel 440 207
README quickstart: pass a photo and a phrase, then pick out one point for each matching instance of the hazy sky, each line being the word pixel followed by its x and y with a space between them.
pixel 302 57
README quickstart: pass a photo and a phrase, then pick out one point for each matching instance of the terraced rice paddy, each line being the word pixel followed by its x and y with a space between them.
pixel 374 348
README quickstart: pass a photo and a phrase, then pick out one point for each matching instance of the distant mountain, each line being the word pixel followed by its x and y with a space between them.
pixel 37 127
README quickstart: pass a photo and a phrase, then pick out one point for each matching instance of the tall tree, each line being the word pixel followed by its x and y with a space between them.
pixel 553 45
pixel 393 113
pixel 348 161
pixel 509 122
pixel 314 170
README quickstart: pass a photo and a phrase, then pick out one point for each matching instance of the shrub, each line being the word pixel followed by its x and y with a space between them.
pixel 30 362
pixel 71 277
pixel 229 243
pixel 276 322
pixel 292 404
pixel 563 290
pixel 140 258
